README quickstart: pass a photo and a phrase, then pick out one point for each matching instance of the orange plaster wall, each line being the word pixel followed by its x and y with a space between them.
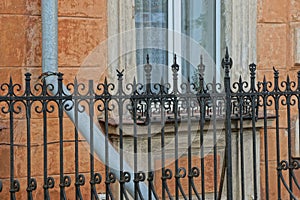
pixel 82 26
pixel 276 23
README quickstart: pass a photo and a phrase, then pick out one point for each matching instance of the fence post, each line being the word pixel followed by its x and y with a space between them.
pixel 227 64
pixel 175 69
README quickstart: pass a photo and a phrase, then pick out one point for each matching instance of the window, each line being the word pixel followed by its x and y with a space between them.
pixel 193 21
pixel 234 24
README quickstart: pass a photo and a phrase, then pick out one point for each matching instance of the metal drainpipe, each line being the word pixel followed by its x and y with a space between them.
pixel 50 65
pixel 49 36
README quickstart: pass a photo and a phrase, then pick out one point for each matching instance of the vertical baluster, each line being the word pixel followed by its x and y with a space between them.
pixel 110 176
pixel 120 108
pixel 265 97
pixel 289 144
pixel 298 90
pixel 14 184
pixel 175 68
pixel 106 110
pixel 1 186
pixel 254 104
pixel 64 180
pixel 202 103
pixel 162 140
pixel 148 69
pixel 48 181
pixel 278 156
pixel 61 140
pixel 94 194
pixel 215 150
pixel 190 171
pixel 79 178
pixel 134 115
pixel 241 102
pixel 227 64
pixel 31 182
pixel 77 185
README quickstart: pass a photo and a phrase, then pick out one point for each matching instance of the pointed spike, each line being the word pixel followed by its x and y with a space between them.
pixel 10 80
pixel 265 79
pixel 227 54
pixel 105 80
pixel 214 79
pixel 161 81
pixel 188 79
pixel 44 82
pixel 288 78
pixel 201 59
pixel 175 59
pixel 27 74
pixel 240 78
pixel 75 80
pixel 147 59
pixel 120 73
pixel 134 81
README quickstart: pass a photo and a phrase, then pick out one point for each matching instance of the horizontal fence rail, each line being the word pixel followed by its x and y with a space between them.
pixel 190 140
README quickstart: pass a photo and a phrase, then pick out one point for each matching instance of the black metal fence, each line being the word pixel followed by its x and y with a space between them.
pixel 155 140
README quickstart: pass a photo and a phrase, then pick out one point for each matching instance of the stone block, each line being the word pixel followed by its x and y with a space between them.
pixel 78 38
pixel 34 41
pixel 36 131
pixel 297 175
pixel 21 40
pixel 54 192
pixel 13 40
pixel 272 148
pixel 294 10
pixel 297 46
pixel 70 191
pixel 272 180
pixel 69 158
pixel 269 11
pixel 271 46
pixel 82 8
pixel 37 134
pixel 53 153
pixel 19 131
pixel 32 7
pixel 4 161
pixel 183 162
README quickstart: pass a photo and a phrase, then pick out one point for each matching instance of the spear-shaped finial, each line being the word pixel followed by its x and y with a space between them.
pixel 227 61
pixel 120 73
pixel 226 53
pixel 147 59
pixel 148 67
pixel 201 66
pixel 175 66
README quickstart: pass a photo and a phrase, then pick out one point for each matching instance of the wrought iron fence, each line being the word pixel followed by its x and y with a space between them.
pixel 170 141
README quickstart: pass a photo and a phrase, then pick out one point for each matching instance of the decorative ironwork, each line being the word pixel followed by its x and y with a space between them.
pixel 172 107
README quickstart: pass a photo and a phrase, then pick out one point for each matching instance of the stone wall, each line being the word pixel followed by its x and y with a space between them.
pixel 82 27
pixel 278 24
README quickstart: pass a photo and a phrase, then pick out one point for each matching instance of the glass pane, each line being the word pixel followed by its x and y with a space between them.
pixel 198 22
pixel 196 19
pixel 151 14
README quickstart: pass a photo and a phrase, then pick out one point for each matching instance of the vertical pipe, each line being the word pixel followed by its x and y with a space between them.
pixel 50 64
pixel 49 36
pixel 227 63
